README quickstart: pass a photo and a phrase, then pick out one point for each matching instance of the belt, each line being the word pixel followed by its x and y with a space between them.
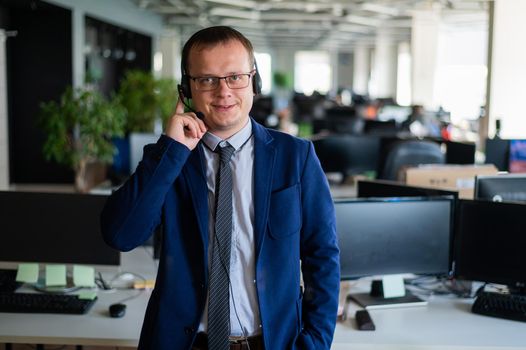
pixel 236 343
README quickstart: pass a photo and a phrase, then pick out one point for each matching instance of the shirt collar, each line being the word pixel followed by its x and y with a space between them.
pixel 237 140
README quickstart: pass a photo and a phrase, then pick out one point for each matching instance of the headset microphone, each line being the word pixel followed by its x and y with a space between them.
pixel 199 115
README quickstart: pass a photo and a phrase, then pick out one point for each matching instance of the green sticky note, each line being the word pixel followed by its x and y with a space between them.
pixel 55 275
pixel 27 273
pixel 87 294
pixel 83 276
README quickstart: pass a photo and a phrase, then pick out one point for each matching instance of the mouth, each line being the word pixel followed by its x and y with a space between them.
pixel 223 107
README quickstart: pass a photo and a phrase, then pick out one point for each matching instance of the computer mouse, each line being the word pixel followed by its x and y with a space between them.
pixel 117 310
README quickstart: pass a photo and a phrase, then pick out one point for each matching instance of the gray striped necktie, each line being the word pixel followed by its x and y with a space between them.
pixel 218 300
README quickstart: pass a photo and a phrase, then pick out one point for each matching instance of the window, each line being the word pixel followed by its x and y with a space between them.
pixel 264 62
pixel 462 70
pixel 312 72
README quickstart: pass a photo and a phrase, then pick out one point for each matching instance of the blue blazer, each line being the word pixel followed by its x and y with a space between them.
pixel 294 220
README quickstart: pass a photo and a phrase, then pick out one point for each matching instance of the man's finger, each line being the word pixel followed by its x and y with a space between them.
pixel 179 108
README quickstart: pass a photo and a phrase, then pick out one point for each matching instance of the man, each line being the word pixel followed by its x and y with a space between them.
pixel 278 212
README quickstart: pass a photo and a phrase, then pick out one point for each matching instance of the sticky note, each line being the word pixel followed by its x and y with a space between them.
pixel 146 284
pixel 87 294
pixel 83 276
pixel 27 273
pixel 393 286
pixel 55 275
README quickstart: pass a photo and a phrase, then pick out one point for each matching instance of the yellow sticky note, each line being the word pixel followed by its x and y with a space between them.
pixel 55 275
pixel 87 294
pixel 83 276
pixel 27 273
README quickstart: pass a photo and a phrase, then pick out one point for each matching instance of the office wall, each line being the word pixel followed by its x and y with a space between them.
pixel 4 163
pixel 123 13
pixel 38 63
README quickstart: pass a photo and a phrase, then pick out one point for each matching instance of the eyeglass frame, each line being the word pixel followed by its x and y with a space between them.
pixel 250 76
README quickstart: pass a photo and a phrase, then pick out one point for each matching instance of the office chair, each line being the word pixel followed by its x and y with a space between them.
pixel 381 128
pixel 347 154
pixel 410 153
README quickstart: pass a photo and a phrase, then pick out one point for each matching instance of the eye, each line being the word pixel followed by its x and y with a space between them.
pixel 207 80
pixel 236 77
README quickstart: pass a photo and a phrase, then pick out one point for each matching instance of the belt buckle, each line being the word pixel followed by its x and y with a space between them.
pixel 236 340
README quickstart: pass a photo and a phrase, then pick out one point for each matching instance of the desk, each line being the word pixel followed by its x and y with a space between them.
pixel 444 324
pixel 94 328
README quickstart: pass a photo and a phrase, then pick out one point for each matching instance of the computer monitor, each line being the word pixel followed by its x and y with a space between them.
pixel 499 188
pixel 498 153
pixel 137 143
pixel 387 188
pixel 386 236
pixel 490 242
pixel 460 152
pixel 347 154
pixel 53 228
pixel 517 160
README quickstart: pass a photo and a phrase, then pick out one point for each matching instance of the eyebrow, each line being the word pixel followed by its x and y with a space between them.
pixel 214 75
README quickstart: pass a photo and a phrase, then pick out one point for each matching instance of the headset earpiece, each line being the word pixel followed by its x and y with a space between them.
pixel 256 80
pixel 184 87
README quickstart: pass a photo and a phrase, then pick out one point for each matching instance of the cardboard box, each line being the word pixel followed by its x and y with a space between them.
pixel 459 178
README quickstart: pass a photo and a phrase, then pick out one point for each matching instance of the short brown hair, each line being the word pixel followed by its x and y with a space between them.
pixel 213 36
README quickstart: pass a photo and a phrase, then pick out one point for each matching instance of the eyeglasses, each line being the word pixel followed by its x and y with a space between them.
pixel 234 81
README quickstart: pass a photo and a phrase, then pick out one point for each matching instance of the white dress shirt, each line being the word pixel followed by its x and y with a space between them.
pixel 244 309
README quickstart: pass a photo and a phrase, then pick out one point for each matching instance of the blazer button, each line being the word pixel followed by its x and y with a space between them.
pixel 188 330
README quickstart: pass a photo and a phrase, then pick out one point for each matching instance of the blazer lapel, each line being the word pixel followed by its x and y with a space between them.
pixel 264 155
pixel 196 177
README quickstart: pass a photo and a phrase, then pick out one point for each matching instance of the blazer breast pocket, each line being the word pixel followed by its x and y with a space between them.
pixel 285 212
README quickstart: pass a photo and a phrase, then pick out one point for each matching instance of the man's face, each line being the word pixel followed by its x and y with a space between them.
pixel 225 109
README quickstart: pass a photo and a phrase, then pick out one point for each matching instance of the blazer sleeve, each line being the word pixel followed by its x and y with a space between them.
pixel 133 211
pixel 319 258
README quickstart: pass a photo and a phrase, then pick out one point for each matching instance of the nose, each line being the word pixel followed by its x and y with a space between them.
pixel 223 87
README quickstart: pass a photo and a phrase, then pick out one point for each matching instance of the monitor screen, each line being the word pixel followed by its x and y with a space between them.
pixel 394 236
pixel 460 152
pixel 498 153
pixel 53 228
pixel 490 242
pixel 347 154
pixel 137 143
pixel 499 188
pixel 386 188
pixel 517 160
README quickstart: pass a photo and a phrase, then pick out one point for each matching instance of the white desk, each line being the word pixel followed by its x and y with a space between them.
pixel 444 324
pixel 94 328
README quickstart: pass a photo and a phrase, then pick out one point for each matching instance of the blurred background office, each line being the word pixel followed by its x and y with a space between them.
pixel 447 70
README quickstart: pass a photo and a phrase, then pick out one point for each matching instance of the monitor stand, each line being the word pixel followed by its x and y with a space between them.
pixel 387 293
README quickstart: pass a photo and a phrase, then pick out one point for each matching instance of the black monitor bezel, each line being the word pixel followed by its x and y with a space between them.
pixel 400 189
pixel 458 260
pixel 499 177
pixel 449 199
pixel 106 256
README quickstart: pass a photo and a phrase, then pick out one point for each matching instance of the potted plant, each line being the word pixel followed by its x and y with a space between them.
pixel 149 103
pixel 146 99
pixel 79 129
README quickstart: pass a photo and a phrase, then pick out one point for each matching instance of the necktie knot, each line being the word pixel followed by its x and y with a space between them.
pixel 225 151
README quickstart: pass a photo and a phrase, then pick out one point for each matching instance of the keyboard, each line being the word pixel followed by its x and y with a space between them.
pixel 8 281
pixel 509 306
pixel 44 303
